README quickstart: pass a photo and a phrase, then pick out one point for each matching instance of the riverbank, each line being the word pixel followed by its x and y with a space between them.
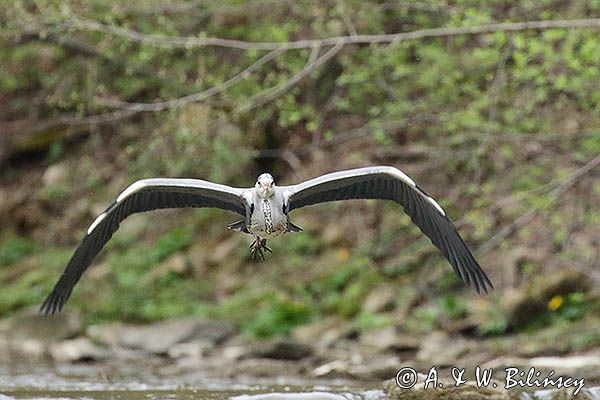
pixel 197 352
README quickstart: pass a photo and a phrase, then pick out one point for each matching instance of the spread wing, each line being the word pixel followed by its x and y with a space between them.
pixel 143 195
pixel 392 184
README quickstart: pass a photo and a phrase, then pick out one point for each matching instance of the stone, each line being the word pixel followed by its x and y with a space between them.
pixel 107 334
pixel 79 349
pixel 311 332
pixel 234 352
pixel 441 350
pixel 55 175
pixel 388 339
pixel 381 299
pixel 562 394
pixel 377 368
pixel 331 369
pixel 264 368
pixel 574 363
pixel 29 324
pixel 30 347
pixel 291 396
pixel 158 338
pixel 196 349
pixel 324 333
pixel 280 349
pixel 447 391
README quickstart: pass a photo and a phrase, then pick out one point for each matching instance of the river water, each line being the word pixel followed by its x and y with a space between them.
pixel 25 380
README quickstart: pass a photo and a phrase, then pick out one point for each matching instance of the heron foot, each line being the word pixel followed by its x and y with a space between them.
pixel 257 246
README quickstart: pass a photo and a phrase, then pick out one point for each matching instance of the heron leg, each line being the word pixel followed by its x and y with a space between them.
pixel 257 246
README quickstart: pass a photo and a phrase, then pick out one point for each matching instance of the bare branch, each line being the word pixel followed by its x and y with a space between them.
pixel 77 22
pixel 526 217
pixel 272 93
pixel 194 97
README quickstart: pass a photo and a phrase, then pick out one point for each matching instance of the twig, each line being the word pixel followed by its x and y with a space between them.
pixel 198 8
pixel 526 217
pixel 347 22
pixel 81 23
pixel 272 93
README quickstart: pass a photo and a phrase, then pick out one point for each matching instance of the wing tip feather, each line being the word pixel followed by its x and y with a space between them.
pixel 53 304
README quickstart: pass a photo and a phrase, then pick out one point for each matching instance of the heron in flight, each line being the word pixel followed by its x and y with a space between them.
pixel 265 209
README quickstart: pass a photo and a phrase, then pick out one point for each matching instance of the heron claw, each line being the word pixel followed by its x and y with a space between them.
pixel 257 247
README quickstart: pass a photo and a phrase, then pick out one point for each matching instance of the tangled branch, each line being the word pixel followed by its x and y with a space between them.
pixel 195 97
pixel 555 194
pixel 274 92
pixel 77 22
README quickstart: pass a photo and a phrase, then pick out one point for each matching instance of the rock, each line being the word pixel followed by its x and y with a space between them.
pixel 441 350
pixel 195 349
pixel 388 339
pixel 378 368
pixel 30 325
pixel 466 326
pixel 562 282
pixel 310 333
pixel 234 352
pixel 562 394
pixel 215 331
pixel 326 332
pixel 160 337
pixel 332 369
pixel 381 299
pixel 566 364
pixel 410 297
pixel 447 391
pixel 30 347
pixel 55 175
pixel 519 306
pixel 80 349
pixel 157 338
pixel 291 396
pixel 280 349
pixel 264 368
pixel 381 339
pixel 107 334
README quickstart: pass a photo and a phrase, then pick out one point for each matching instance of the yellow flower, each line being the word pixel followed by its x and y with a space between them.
pixel 555 302
pixel 343 254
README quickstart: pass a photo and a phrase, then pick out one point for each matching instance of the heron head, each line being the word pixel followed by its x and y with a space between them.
pixel 265 186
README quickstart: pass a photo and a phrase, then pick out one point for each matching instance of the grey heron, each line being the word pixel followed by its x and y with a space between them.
pixel 265 210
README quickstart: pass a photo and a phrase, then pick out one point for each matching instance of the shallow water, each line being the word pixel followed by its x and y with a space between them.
pixel 92 381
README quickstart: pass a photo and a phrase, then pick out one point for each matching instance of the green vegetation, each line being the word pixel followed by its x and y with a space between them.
pixel 14 249
pixel 493 125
